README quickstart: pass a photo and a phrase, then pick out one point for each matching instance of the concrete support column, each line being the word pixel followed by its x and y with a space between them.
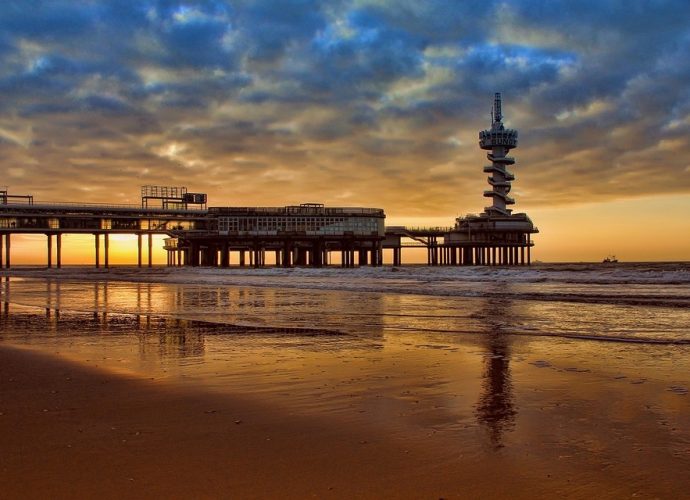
pixel 2 253
pixel 241 258
pixel 106 250
pixel 150 250
pixel 225 255
pixel 58 241
pixel 213 255
pixel 317 254
pixel 529 256
pixel 194 254
pixel 286 259
pixel 50 250
pixel 522 256
pixel 98 249
pixel 301 259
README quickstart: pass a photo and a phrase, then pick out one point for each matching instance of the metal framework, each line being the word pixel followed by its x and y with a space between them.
pixel 172 197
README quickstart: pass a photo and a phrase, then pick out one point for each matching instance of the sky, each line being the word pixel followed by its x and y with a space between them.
pixel 361 103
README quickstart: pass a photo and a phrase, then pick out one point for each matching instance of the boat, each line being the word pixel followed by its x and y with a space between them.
pixel 610 259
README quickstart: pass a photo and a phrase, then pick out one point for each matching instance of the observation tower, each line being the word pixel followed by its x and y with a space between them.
pixel 499 141
pixel 497 236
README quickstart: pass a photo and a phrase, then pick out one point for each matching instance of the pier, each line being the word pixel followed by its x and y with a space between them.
pixel 301 235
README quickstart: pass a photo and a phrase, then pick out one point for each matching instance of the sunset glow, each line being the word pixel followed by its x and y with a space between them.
pixel 356 103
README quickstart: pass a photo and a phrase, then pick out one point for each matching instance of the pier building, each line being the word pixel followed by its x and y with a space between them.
pixel 306 234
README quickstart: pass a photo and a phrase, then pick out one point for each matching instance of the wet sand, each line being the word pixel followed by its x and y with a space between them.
pixel 67 431
pixel 70 432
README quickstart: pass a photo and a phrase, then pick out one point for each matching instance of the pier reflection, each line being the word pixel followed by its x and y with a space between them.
pixel 173 321
pixel 496 409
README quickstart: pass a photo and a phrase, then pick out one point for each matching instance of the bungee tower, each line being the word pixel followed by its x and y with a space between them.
pixel 497 236
pixel 499 141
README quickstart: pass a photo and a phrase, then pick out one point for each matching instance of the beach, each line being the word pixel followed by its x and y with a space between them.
pixel 370 383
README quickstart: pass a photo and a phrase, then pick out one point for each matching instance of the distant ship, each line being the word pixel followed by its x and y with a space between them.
pixel 611 259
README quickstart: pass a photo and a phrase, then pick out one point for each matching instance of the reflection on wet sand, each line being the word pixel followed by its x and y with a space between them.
pixel 496 408
pixel 177 337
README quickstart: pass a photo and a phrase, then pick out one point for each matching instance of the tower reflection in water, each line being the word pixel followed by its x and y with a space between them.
pixel 496 409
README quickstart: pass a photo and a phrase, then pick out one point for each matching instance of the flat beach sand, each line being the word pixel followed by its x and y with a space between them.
pixel 70 432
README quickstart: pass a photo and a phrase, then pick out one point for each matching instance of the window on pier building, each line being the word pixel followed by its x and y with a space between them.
pixel 314 225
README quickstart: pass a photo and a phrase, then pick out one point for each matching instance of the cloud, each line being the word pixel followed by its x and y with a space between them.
pixel 275 102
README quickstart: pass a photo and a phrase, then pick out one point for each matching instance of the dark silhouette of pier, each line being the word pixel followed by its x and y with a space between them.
pixel 303 235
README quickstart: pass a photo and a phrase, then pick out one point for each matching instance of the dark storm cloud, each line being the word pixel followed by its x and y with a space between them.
pixel 348 101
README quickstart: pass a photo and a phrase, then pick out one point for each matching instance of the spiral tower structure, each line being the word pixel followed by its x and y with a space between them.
pixel 497 236
pixel 498 141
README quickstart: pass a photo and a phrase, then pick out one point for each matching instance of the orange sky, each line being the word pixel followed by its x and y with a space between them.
pixel 358 103
pixel 634 230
